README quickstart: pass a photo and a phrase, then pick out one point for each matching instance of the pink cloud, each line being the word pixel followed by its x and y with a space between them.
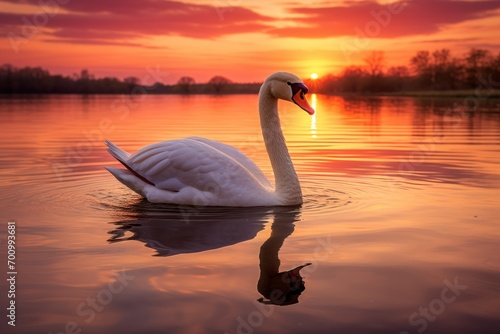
pixel 400 18
pixel 120 21
pixel 111 20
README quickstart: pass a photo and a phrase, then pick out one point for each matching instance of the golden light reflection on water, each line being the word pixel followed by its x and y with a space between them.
pixel 386 215
pixel 314 104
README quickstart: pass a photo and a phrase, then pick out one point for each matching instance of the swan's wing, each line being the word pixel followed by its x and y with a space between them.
pixel 175 165
pixel 238 156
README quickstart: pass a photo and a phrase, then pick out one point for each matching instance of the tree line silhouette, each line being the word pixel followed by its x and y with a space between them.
pixel 36 80
pixel 436 71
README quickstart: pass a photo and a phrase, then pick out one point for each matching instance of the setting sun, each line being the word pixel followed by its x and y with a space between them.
pixel 314 76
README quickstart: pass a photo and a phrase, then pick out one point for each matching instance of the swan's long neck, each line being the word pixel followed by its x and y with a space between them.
pixel 287 182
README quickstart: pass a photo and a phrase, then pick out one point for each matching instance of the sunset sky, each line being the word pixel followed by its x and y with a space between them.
pixel 242 40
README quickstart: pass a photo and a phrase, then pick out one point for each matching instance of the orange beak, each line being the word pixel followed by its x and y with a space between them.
pixel 300 100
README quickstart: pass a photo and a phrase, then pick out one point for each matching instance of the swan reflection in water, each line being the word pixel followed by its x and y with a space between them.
pixel 173 229
pixel 279 288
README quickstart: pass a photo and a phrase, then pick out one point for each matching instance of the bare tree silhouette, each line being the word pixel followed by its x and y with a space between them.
pixel 375 62
pixel 218 83
pixel 185 84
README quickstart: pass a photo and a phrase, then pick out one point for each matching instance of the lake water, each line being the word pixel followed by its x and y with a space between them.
pixel 400 219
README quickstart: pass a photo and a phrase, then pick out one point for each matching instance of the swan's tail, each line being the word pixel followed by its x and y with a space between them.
pixel 117 152
pixel 122 157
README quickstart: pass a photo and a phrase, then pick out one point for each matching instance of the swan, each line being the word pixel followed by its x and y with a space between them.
pixel 202 172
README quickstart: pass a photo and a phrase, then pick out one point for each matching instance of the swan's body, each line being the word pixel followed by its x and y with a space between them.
pixel 203 172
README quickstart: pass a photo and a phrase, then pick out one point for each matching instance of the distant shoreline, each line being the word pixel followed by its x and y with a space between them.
pixel 418 94
pixel 449 93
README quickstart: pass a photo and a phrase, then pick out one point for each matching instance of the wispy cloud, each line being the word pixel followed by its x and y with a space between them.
pixel 127 19
pixel 417 17
pixel 123 22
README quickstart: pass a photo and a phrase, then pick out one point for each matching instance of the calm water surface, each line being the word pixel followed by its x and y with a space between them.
pixel 400 219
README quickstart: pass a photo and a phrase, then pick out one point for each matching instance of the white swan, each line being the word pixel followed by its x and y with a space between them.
pixel 199 171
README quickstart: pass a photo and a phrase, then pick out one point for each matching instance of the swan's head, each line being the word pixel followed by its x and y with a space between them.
pixel 289 87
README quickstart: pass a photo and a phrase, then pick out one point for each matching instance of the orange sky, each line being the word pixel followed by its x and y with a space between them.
pixel 242 40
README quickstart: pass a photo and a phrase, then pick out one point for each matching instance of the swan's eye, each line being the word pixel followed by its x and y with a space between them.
pixel 298 87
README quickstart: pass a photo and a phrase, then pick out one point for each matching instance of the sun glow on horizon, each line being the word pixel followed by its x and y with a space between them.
pixel 314 76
